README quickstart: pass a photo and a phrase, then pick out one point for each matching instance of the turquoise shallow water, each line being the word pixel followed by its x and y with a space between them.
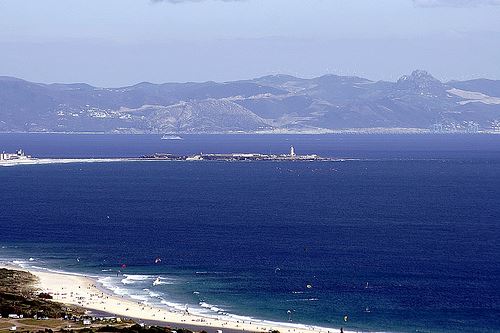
pixel 404 239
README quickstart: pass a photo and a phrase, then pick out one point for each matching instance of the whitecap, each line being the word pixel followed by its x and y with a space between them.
pixel 131 279
pixel 163 280
pixel 211 307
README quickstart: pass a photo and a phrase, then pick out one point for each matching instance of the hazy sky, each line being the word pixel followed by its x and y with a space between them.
pixel 122 42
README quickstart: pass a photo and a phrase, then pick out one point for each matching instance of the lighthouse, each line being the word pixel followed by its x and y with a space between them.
pixel 292 152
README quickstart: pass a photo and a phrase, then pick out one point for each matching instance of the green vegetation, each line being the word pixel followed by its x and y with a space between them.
pixel 137 329
pixel 61 326
pixel 18 296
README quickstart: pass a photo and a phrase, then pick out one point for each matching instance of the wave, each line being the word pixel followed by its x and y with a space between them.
pixel 131 279
pixel 163 280
pixel 144 299
pixel 28 264
pixel 20 263
pixel 113 284
pixel 215 310
pixel 178 307
pixel 38 268
pixel 211 307
pixel 130 289
pixel 146 296
pixel 152 293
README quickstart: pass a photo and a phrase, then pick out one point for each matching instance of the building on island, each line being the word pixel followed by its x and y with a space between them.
pixel 18 155
pixel 291 156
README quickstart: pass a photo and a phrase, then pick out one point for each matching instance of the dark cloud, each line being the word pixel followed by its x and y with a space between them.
pixel 455 3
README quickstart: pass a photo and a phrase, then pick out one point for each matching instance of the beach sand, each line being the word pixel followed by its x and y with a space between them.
pixel 87 293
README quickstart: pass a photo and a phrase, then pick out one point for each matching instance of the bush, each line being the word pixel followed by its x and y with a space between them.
pixel 109 329
pixel 45 296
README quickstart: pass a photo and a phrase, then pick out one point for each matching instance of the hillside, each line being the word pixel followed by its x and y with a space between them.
pixel 279 103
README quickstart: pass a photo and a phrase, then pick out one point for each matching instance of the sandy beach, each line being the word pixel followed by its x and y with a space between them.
pixel 86 292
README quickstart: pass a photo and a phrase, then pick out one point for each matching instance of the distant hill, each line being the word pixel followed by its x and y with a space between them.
pixel 274 104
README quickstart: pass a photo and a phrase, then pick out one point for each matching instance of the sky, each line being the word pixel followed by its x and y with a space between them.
pixel 111 43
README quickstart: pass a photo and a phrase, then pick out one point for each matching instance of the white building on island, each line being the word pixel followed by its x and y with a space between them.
pixel 18 155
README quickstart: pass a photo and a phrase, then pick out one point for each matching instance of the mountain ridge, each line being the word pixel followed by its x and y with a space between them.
pixel 272 103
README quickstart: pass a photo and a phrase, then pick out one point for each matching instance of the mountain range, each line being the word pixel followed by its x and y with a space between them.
pixel 269 104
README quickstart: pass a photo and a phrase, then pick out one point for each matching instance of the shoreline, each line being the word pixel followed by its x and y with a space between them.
pixel 345 131
pixel 43 161
pixel 195 158
pixel 88 293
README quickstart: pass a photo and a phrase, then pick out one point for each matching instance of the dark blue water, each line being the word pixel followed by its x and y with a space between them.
pixel 405 239
pixel 348 146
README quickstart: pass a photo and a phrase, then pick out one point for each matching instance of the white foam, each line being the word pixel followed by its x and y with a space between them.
pixel 61 272
pixel 131 279
pixel 117 287
pixel 20 263
pixel 174 306
pixel 211 307
pixel 163 280
pixel 142 298
pixel 109 283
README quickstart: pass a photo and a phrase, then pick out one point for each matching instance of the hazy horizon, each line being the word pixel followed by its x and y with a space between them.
pixel 124 42
pixel 242 79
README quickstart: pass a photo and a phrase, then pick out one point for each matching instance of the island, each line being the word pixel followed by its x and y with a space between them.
pixel 292 156
pixel 20 158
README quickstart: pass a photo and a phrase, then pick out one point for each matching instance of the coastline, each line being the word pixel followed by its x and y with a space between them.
pixel 278 132
pixel 86 292
pixel 40 161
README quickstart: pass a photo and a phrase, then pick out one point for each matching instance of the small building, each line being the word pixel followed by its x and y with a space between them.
pixel 87 322
pixel 195 158
pixel 18 155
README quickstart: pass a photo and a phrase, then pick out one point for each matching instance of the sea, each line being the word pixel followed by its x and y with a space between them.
pixel 402 234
